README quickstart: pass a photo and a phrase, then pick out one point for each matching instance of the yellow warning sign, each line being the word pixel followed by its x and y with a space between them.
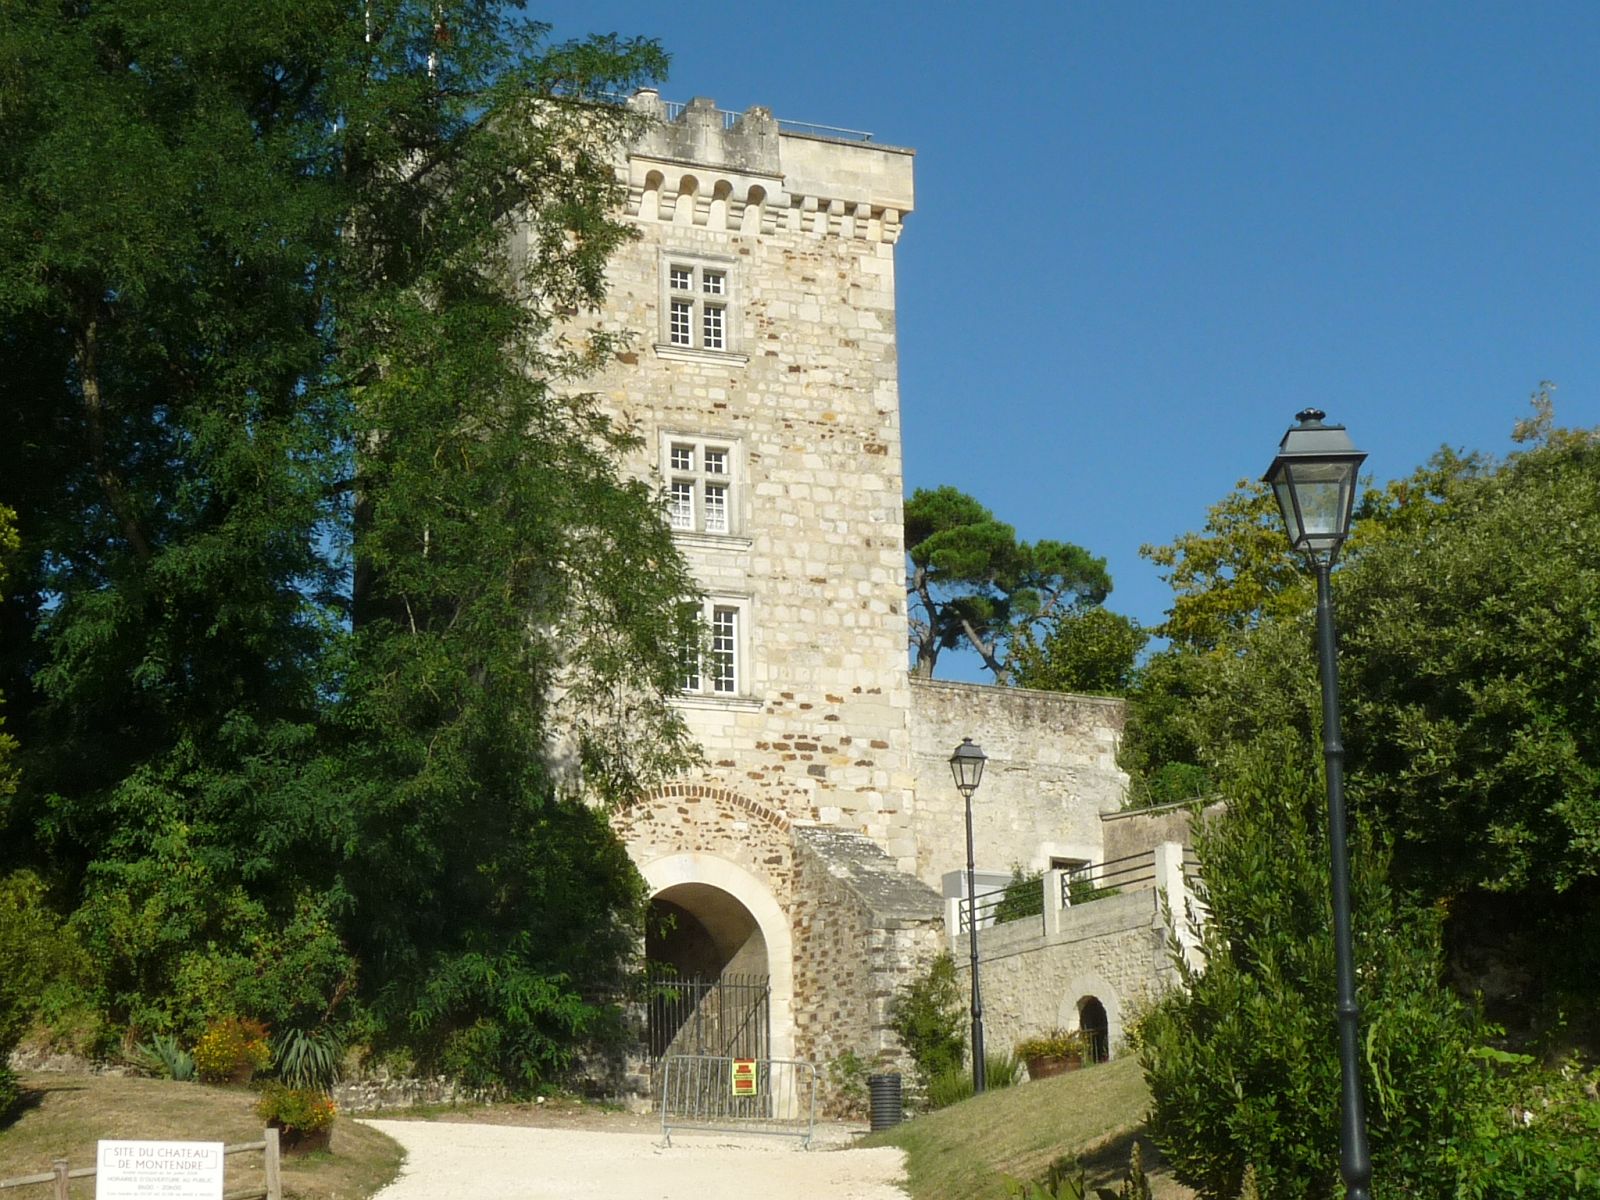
pixel 744 1077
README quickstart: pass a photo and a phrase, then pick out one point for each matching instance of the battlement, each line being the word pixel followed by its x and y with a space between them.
pixel 697 164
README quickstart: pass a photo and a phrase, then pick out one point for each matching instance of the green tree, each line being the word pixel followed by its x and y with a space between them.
pixel 1464 658
pixel 316 520
pixel 973 583
pixel 1234 573
pixel 1466 653
pixel 1080 650
pixel 1242 1061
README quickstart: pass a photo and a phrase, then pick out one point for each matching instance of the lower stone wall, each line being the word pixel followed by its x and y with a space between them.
pixel 1115 950
pixel 861 930
pixel 371 1095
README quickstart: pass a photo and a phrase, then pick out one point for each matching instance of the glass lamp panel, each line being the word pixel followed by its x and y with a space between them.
pixel 1284 491
pixel 1323 495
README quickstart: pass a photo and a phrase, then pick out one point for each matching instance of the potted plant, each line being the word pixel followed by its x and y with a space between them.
pixel 232 1050
pixel 303 1117
pixel 1052 1053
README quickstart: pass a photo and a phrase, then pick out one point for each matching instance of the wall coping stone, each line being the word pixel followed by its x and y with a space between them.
pixel 894 899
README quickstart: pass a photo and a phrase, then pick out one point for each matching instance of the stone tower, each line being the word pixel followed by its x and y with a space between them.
pixel 760 299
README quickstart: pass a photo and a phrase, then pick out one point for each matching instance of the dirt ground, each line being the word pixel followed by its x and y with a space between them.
pixel 502 1153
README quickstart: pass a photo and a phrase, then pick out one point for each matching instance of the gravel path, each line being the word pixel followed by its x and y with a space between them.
pixel 458 1161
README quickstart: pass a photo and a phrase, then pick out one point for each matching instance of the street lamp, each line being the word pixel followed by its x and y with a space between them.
pixel 966 764
pixel 1314 477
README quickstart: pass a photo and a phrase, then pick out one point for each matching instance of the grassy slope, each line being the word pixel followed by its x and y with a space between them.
pixel 64 1115
pixel 962 1152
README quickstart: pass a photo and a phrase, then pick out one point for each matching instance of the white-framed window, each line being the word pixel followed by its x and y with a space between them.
pixel 716 662
pixel 697 302
pixel 702 484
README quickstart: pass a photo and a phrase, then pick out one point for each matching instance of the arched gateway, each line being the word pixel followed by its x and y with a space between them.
pixel 718 866
pixel 712 919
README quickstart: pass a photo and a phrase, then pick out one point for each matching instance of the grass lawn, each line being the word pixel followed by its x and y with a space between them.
pixel 962 1152
pixel 63 1116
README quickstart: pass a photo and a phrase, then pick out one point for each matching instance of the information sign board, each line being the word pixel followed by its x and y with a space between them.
pixel 135 1170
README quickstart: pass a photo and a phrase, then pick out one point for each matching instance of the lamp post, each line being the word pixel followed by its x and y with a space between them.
pixel 966 764
pixel 1314 477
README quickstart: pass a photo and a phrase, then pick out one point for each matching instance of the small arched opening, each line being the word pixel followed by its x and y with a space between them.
pixel 1096 1028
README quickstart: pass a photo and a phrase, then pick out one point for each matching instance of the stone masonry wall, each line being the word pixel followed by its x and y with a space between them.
pixel 694 818
pixel 862 929
pixel 805 393
pixel 1114 949
pixel 1052 772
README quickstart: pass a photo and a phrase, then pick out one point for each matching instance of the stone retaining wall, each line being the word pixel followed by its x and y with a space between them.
pixel 862 929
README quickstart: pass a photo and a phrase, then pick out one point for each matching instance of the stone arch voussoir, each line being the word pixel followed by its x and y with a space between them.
pixel 700 791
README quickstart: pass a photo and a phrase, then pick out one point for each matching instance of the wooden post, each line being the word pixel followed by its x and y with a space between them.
pixel 59 1166
pixel 274 1185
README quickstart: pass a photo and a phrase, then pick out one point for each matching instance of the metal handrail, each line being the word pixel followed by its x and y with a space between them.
pixel 988 903
pixel 1108 878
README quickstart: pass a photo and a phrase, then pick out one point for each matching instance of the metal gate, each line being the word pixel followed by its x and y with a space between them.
pixel 717 1093
pixel 726 1017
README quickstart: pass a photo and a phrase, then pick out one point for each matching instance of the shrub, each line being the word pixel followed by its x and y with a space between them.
pixel 927 1017
pixel 231 1047
pixel 1536 1133
pixel 1023 898
pixel 33 952
pixel 1081 889
pixel 525 1031
pixel 304 1110
pixel 847 1075
pixel 1065 1181
pixel 950 1086
pixel 1242 1062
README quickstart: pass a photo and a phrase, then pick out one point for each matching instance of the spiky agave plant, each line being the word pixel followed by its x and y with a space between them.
pixel 308 1058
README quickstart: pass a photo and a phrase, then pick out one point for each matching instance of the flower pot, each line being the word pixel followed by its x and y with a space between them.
pixel 243 1073
pixel 1042 1066
pixel 302 1141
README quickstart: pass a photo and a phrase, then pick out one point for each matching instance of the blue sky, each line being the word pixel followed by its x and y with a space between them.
pixel 1146 234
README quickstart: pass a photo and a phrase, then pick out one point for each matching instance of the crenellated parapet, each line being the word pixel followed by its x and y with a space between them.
pixel 744 173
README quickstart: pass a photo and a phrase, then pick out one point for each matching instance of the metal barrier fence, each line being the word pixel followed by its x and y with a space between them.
pixel 727 1015
pixel 712 1093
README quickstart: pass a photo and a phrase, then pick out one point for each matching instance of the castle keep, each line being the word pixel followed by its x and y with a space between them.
pixel 817 848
